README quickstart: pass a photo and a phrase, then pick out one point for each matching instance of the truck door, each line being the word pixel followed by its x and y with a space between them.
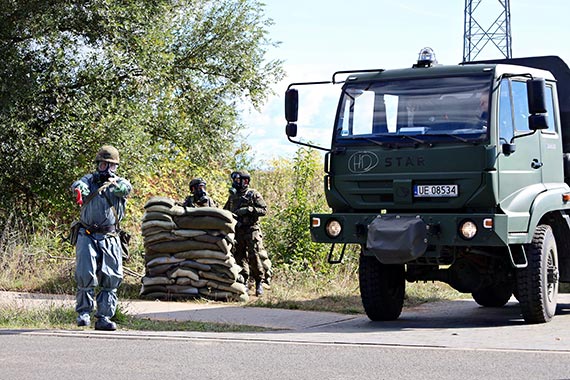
pixel 520 173
pixel 551 143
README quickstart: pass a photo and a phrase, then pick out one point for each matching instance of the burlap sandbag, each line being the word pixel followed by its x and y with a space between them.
pixel 204 223
pixel 200 283
pixel 217 295
pixel 154 231
pixel 167 296
pixel 152 288
pixel 158 200
pixel 209 211
pixel 235 287
pixel 173 211
pixel 148 255
pixel 194 265
pixel 188 233
pixel 179 272
pixel 182 289
pixel 158 238
pixel 163 260
pixel 158 280
pixel 180 246
pixel 189 281
pixel 220 295
pixel 151 224
pixel 231 272
pixel 215 277
pixel 212 254
pixel 189 255
pixel 209 238
pixel 148 216
pixel 224 245
pixel 227 263
pixel 154 295
pixel 158 270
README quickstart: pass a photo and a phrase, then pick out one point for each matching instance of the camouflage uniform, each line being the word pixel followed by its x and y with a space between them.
pixel 248 205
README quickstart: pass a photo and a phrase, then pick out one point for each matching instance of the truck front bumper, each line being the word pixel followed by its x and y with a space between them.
pixel 441 229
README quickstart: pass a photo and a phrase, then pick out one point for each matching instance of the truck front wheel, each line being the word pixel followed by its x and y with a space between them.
pixel 537 284
pixel 382 288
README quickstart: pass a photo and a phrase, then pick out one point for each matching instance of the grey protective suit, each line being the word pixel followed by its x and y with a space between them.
pixel 98 251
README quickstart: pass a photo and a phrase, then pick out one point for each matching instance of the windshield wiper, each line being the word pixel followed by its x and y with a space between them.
pixel 377 142
pixel 412 138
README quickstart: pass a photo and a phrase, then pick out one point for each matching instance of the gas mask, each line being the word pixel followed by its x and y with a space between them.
pixel 200 195
pixel 239 181
pixel 198 190
pixel 105 171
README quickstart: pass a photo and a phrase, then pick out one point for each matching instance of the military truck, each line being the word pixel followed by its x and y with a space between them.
pixel 452 173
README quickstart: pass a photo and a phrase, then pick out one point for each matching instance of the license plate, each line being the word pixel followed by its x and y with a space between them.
pixel 422 191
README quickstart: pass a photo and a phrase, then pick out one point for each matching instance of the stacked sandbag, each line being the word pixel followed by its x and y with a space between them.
pixel 188 253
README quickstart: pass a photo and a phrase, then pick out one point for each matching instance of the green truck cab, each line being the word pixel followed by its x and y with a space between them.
pixel 453 174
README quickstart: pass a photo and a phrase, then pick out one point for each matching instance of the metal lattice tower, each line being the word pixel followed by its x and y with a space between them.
pixel 498 34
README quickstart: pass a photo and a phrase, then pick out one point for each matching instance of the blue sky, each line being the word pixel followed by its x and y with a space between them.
pixel 319 37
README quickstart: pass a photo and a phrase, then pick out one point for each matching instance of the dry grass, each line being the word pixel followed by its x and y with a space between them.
pixel 338 292
pixel 44 263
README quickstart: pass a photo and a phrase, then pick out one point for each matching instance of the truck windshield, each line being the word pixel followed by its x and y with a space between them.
pixel 421 110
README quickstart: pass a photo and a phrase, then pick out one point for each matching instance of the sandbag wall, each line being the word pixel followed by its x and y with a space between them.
pixel 188 253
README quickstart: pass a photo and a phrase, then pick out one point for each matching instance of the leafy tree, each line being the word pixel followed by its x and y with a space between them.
pixel 159 79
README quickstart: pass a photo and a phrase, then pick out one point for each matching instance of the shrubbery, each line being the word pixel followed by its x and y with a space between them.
pixel 292 189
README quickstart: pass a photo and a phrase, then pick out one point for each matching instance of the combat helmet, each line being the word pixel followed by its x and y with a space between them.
pixel 196 182
pixel 108 153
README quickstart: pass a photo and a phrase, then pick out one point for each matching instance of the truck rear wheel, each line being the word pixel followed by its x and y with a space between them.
pixel 537 284
pixel 382 288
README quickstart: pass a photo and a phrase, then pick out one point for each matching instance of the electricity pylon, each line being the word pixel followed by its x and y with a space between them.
pixel 497 34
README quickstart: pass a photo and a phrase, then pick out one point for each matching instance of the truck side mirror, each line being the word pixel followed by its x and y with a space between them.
pixel 508 148
pixel 291 105
pixel 536 89
pixel 536 122
pixel 291 129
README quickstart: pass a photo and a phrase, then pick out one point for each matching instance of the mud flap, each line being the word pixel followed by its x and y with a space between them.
pixel 395 239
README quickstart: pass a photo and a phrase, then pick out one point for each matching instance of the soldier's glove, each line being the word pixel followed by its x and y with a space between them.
pixel 83 188
pixel 120 189
pixel 244 210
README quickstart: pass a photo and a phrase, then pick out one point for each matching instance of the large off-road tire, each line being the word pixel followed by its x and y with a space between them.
pixel 495 295
pixel 537 284
pixel 382 288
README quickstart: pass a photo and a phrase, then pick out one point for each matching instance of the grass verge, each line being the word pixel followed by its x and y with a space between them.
pixel 60 317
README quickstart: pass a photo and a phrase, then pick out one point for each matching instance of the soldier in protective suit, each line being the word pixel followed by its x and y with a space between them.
pixel 248 205
pixel 98 250
pixel 198 196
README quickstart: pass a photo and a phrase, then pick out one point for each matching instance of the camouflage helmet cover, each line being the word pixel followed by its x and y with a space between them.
pixel 107 153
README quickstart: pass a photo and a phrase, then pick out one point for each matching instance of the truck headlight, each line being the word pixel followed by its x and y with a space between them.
pixel 467 229
pixel 333 228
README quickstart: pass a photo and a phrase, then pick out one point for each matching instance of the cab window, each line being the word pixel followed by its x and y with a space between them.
pixel 506 125
pixel 550 108
pixel 520 105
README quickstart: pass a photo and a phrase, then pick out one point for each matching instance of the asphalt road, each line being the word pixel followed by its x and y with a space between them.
pixel 448 340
